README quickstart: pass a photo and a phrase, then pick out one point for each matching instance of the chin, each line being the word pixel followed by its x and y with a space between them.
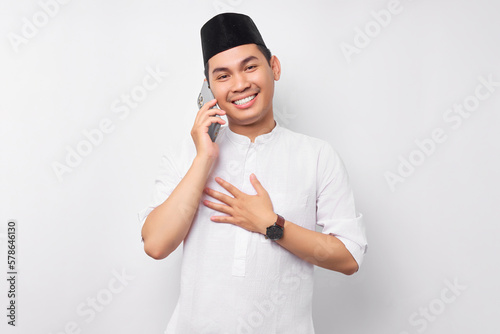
pixel 249 120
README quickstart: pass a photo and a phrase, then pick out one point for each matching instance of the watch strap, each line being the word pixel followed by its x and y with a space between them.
pixel 280 221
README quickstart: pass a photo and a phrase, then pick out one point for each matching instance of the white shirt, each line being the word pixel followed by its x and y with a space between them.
pixel 237 282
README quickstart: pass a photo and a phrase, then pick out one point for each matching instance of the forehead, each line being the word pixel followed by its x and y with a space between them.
pixel 234 56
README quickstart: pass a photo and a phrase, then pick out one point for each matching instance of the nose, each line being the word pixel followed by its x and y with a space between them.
pixel 240 83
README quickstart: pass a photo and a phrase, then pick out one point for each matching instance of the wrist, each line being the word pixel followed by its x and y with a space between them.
pixel 276 230
pixel 205 158
pixel 204 161
pixel 269 220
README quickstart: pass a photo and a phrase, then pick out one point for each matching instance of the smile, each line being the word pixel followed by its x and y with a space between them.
pixel 245 100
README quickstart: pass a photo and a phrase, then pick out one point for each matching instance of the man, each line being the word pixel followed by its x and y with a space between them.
pixel 246 205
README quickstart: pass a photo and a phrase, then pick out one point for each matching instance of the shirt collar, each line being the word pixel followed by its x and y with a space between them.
pixel 260 139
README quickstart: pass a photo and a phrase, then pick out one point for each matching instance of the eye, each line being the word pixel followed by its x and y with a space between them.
pixel 222 77
pixel 251 67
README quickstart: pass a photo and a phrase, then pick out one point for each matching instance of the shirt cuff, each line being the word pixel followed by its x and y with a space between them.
pixel 356 251
pixel 351 232
pixel 143 214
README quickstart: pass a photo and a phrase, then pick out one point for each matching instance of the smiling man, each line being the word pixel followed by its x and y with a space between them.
pixel 242 81
pixel 246 206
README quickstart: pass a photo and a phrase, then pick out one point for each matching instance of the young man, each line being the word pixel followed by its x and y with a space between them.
pixel 246 205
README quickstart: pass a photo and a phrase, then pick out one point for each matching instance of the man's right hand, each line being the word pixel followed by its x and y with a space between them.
pixel 204 145
pixel 169 223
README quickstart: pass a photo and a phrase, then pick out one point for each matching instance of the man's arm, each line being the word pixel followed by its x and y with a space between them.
pixel 168 224
pixel 255 213
pixel 323 250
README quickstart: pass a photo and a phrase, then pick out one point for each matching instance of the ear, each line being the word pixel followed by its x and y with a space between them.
pixel 276 67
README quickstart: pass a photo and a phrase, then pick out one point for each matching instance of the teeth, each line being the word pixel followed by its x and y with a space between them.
pixel 245 100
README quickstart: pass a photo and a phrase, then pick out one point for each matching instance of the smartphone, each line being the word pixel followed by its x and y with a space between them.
pixel 205 96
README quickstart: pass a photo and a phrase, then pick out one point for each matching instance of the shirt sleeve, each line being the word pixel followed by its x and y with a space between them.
pixel 165 183
pixel 335 209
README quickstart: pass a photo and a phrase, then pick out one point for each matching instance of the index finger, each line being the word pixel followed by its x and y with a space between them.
pixel 210 104
pixel 228 186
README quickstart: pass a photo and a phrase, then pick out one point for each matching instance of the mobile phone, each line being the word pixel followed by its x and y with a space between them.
pixel 205 96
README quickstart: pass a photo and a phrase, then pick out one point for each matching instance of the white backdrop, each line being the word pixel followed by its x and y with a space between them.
pixel 408 92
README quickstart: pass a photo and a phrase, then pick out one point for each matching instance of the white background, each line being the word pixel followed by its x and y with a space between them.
pixel 78 231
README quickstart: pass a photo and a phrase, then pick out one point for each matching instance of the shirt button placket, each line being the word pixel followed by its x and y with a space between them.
pixel 242 236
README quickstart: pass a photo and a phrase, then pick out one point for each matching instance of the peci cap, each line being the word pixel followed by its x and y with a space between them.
pixel 226 31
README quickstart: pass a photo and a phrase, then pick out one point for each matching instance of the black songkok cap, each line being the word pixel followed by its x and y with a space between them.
pixel 226 31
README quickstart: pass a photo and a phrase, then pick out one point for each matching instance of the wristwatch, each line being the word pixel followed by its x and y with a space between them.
pixel 275 231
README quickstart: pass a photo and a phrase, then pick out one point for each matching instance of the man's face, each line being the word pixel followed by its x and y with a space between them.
pixel 243 83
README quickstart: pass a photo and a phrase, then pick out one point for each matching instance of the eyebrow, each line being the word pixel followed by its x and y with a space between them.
pixel 243 62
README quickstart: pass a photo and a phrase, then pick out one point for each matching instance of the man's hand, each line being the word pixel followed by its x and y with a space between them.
pixel 251 212
pixel 255 213
pixel 204 145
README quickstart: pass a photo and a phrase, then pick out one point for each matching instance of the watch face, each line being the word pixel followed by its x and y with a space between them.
pixel 274 232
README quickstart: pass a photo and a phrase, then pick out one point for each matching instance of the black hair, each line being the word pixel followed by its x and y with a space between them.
pixel 265 51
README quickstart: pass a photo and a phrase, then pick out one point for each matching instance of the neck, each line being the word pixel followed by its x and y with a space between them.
pixel 254 129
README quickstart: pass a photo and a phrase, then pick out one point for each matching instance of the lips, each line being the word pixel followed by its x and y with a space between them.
pixel 245 100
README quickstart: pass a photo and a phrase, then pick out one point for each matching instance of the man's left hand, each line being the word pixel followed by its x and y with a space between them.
pixel 251 212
